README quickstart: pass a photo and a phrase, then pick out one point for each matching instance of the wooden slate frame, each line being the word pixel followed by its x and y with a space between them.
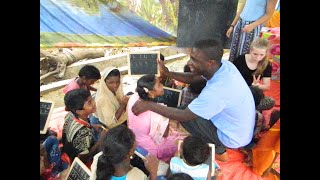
pixel 45 128
pixel 81 164
pixel 146 52
pixel 176 90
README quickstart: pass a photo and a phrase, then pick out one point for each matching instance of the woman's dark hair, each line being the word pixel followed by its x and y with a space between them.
pixel 74 100
pixel 147 81
pixel 114 72
pixel 257 94
pixel 195 150
pixel 180 176
pixel 197 86
pixel 90 72
pixel 116 146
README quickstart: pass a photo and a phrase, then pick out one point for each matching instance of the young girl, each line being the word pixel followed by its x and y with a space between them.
pixel 194 153
pixel 247 24
pixel 256 69
pixel 110 101
pixel 114 162
pixel 88 75
pixel 150 128
pixel 77 135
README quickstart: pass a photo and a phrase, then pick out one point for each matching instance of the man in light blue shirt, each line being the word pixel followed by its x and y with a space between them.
pixel 224 112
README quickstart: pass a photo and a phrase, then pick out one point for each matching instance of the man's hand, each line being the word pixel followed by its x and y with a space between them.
pixel 162 68
pixel 140 107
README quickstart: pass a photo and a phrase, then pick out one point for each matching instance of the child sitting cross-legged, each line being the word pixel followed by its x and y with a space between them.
pixel 77 137
pixel 194 152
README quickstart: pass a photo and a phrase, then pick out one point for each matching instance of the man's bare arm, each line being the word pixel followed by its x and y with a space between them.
pixel 181 115
pixel 186 77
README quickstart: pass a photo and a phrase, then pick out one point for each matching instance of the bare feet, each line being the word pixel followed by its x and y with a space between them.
pixel 222 157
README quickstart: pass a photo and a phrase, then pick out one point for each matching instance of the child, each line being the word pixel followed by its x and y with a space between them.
pixel 114 162
pixel 150 128
pixel 260 125
pixel 268 147
pixel 191 92
pixel 77 135
pixel 88 75
pixel 110 100
pixel 194 153
pixel 53 156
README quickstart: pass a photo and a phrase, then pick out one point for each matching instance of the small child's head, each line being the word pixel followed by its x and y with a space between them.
pixel 197 87
pixel 149 87
pixel 257 93
pixel 117 146
pixel 195 150
pixel 180 176
pixel 112 80
pixel 89 74
pixel 79 102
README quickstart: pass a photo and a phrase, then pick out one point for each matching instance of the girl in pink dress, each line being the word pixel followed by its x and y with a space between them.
pixel 151 129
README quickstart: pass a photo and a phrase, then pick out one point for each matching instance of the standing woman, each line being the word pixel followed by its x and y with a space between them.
pixel 247 24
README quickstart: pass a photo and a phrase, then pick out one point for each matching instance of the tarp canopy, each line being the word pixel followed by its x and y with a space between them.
pixel 96 23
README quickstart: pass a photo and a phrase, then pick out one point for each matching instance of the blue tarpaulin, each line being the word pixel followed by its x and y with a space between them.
pixel 94 23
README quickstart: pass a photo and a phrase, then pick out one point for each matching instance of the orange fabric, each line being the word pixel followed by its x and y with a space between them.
pixel 234 168
pixel 274 21
pixel 65 158
pixel 265 150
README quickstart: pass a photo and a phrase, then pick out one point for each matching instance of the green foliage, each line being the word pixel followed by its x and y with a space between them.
pixel 151 11
pixel 89 6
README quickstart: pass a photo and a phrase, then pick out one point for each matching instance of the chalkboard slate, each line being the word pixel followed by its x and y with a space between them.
pixel 46 108
pixel 78 171
pixel 141 63
pixel 205 19
pixel 171 97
